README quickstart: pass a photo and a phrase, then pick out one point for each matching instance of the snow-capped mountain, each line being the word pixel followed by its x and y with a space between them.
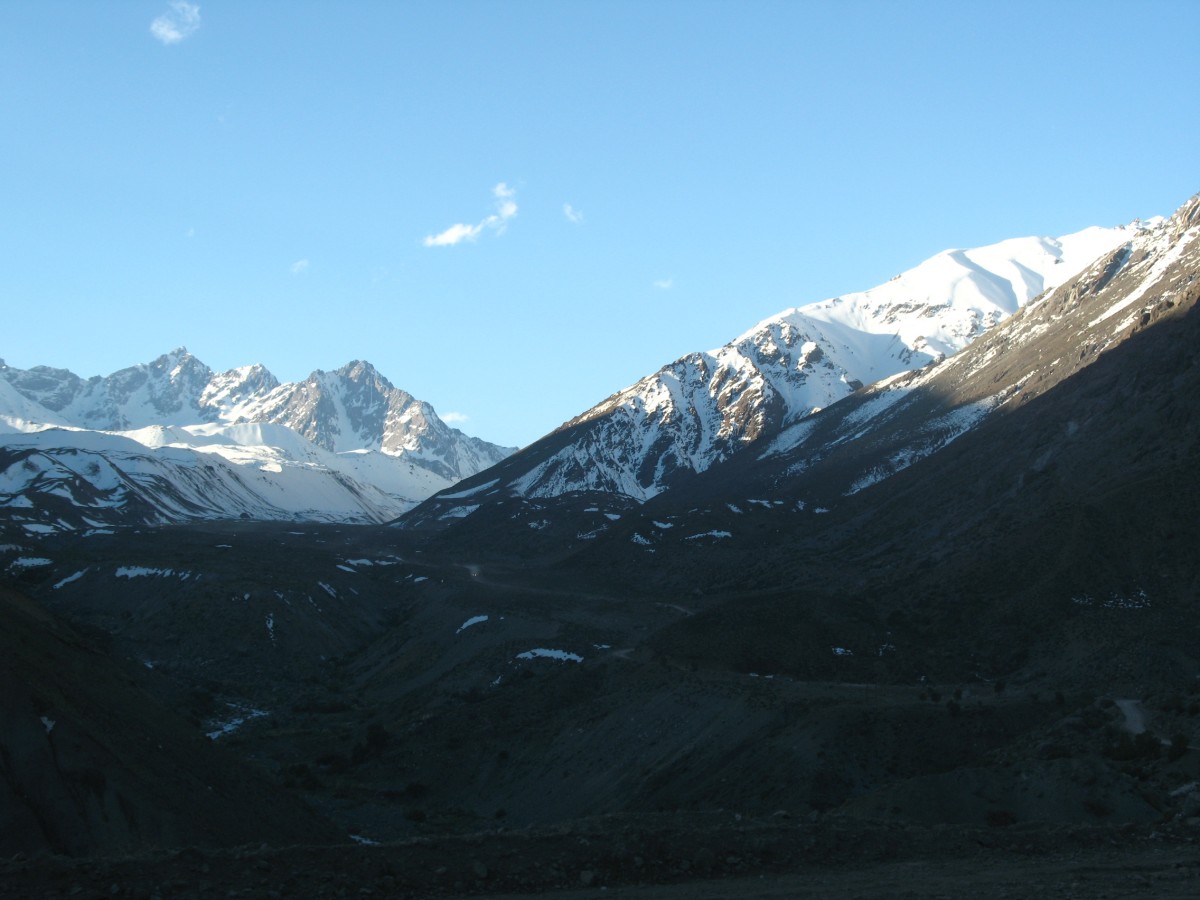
pixel 187 442
pixel 903 419
pixel 353 408
pixel 356 408
pixel 708 407
pixel 816 462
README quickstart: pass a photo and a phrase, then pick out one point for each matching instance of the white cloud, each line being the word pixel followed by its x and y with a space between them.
pixel 506 208
pixel 455 234
pixel 664 284
pixel 299 267
pixel 573 215
pixel 454 418
pixel 181 21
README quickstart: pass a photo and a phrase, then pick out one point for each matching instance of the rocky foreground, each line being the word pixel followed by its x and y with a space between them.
pixel 705 857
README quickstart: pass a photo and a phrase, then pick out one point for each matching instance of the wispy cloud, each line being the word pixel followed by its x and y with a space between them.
pixel 664 284
pixel 181 21
pixel 454 418
pixel 299 267
pixel 573 215
pixel 506 208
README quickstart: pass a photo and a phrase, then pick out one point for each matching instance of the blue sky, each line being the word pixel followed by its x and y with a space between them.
pixel 514 209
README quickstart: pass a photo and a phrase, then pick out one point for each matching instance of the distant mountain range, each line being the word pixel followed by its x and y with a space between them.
pixel 172 440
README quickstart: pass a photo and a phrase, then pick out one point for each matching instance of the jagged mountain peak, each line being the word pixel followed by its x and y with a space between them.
pixel 361 370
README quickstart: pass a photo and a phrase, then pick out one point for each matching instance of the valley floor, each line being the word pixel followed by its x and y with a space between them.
pixel 662 861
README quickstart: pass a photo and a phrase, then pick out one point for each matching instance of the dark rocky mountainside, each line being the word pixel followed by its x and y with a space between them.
pixel 91 763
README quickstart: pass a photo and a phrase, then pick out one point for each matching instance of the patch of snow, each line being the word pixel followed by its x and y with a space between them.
pixel 323 586
pixel 711 534
pixel 48 724
pixel 146 572
pixel 242 715
pixel 271 626
pixel 474 620
pixel 734 509
pixel 842 651
pixel 30 562
pixel 638 539
pixel 420 578
pixel 470 491
pixel 543 653
pixel 70 578
pixel 664 525
pixel 612 517
pixel 1139 599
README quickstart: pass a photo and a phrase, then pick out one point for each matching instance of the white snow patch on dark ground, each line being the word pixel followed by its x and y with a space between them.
pixel 474 620
pixel 242 714
pixel 543 653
